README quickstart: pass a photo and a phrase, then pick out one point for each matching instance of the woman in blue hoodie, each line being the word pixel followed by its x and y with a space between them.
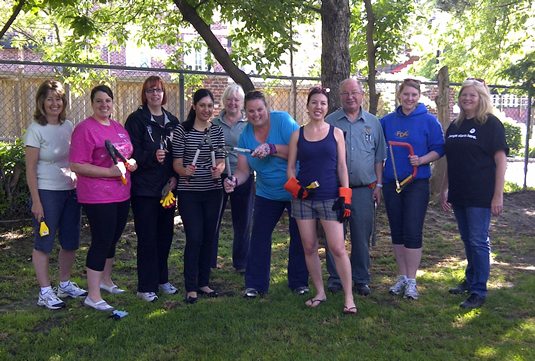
pixel 406 179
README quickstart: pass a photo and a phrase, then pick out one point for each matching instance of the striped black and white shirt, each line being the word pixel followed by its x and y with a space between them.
pixel 185 145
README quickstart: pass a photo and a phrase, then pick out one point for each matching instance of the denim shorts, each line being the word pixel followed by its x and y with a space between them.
pixel 314 209
pixel 62 216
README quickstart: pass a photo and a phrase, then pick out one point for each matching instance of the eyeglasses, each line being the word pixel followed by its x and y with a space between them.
pixel 410 80
pixel 353 94
pixel 154 90
pixel 478 79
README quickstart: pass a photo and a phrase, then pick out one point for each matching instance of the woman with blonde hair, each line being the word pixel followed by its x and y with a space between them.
pixel 476 153
pixel 232 120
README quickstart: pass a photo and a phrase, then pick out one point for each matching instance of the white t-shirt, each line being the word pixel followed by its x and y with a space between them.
pixel 53 141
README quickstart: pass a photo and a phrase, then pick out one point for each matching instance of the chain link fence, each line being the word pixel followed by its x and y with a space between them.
pixel 19 82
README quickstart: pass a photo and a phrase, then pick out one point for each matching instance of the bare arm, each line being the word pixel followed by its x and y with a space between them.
pixel 341 165
pixel 95 171
pixel 425 159
pixel 377 190
pixel 497 199
pixel 444 191
pixel 32 157
pixel 291 171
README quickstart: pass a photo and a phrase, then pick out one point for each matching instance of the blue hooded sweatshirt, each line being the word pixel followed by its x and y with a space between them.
pixel 421 130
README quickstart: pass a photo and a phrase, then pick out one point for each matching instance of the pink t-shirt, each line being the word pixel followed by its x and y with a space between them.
pixel 87 146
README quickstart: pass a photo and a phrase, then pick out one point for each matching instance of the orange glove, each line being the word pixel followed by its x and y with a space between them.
pixel 343 204
pixel 295 188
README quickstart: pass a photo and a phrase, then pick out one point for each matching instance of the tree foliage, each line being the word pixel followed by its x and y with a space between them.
pixel 476 38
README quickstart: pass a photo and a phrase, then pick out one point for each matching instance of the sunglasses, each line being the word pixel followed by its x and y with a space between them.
pixel 318 89
pixel 482 81
pixel 254 94
pixel 410 80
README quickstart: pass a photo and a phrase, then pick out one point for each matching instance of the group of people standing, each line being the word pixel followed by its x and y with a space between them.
pixel 331 169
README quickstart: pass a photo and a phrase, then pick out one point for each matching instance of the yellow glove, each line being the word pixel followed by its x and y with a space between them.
pixel 169 200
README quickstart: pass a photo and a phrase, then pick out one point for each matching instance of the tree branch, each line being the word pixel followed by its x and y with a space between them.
pixel 16 12
pixel 222 56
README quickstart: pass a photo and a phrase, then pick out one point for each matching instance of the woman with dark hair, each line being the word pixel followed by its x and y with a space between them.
pixel 232 120
pixel 53 193
pixel 406 197
pixel 321 152
pixel 151 128
pixel 476 153
pixel 199 165
pixel 268 133
pixel 102 190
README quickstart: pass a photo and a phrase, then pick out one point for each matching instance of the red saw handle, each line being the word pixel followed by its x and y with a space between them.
pixel 411 151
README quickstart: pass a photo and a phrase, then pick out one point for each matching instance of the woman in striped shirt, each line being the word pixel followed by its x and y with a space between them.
pixel 200 192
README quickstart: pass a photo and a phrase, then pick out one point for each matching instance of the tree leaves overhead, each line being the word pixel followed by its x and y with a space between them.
pixel 481 35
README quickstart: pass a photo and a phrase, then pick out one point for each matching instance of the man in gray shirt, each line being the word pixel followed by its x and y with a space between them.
pixel 366 151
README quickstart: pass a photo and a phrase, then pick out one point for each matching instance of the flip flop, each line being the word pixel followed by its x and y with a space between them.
pixel 350 310
pixel 313 301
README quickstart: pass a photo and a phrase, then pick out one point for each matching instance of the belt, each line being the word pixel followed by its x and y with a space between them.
pixel 365 186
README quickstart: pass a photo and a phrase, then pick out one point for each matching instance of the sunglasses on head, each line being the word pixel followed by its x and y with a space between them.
pixel 254 94
pixel 478 79
pixel 410 80
pixel 319 89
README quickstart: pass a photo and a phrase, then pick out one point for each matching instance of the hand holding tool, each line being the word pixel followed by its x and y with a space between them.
pixel 374 228
pixel 197 152
pixel 113 154
pixel 411 177
pixel 43 228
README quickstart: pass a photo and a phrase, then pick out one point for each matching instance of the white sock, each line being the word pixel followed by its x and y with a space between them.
pixel 45 289
pixel 64 284
pixel 411 280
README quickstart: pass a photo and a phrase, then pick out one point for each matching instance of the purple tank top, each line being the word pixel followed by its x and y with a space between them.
pixel 317 162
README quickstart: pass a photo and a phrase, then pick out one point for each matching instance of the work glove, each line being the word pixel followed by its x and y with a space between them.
pixel 296 189
pixel 169 200
pixel 343 204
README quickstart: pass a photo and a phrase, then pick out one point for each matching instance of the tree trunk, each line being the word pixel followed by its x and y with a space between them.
pixel 443 109
pixel 370 47
pixel 221 55
pixel 335 59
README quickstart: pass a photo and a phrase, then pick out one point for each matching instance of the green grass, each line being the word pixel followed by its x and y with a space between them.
pixel 279 326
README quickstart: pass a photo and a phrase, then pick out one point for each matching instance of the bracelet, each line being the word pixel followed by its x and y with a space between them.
pixel 379 185
pixel 272 149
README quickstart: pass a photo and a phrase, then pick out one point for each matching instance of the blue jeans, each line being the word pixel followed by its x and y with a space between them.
pixel 241 203
pixel 266 215
pixel 474 226
pixel 360 227
pixel 406 212
pixel 62 216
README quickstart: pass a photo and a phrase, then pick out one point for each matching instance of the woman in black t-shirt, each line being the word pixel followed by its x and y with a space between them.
pixel 473 184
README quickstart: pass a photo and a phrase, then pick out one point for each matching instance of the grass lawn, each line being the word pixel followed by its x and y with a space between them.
pixel 279 326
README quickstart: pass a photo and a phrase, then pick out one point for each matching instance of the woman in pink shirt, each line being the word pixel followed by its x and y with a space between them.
pixel 101 190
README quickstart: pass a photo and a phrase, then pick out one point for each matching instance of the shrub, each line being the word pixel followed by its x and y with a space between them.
pixel 513 136
pixel 13 187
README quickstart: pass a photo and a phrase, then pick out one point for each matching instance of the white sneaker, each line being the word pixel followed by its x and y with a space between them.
pixel 113 289
pixel 99 306
pixel 400 286
pixel 410 290
pixel 147 296
pixel 168 288
pixel 72 290
pixel 50 300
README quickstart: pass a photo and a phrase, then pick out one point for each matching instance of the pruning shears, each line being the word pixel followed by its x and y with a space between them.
pixel 206 139
pixel 411 177
pixel 114 153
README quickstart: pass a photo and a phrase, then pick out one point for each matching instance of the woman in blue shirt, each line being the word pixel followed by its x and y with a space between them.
pixel 406 203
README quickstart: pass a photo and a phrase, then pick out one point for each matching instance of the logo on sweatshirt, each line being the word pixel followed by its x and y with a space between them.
pixel 404 134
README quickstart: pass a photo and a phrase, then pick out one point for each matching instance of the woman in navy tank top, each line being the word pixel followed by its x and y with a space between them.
pixel 320 150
